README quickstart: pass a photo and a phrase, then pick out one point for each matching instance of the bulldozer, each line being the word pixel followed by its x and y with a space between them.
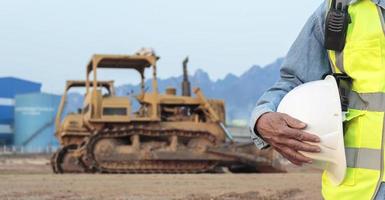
pixel 168 133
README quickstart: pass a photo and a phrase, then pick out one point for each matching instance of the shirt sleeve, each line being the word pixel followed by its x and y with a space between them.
pixel 307 60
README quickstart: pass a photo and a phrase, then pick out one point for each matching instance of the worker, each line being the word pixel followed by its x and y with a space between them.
pixel 346 39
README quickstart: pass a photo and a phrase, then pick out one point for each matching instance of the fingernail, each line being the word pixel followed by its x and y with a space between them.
pixel 310 162
pixel 302 124
pixel 318 140
pixel 318 150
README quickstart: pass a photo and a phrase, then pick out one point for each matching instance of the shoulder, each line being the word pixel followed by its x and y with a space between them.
pixel 322 9
pixel 318 19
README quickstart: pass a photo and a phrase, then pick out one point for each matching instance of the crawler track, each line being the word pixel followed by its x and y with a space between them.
pixel 53 162
pixel 155 166
pixel 148 165
pixel 62 164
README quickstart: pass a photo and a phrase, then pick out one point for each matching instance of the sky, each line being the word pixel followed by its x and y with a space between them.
pixel 51 41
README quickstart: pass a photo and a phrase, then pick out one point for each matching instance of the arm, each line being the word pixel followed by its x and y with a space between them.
pixel 306 61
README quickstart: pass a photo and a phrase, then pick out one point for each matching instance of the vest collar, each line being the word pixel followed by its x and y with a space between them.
pixel 380 3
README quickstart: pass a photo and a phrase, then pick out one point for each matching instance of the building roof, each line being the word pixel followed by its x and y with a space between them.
pixel 11 78
pixel 15 86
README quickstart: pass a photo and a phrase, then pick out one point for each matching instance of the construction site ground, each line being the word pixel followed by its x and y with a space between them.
pixel 30 177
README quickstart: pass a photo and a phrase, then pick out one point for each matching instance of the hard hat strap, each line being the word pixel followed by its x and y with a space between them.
pixel 344 83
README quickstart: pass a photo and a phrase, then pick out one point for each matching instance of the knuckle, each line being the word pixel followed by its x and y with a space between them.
pixel 292 157
pixel 281 131
pixel 297 157
pixel 285 151
pixel 279 140
pixel 306 148
pixel 274 139
pixel 293 144
pixel 299 135
pixel 298 147
pixel 276 146
pixel 290 154
pixel 287 156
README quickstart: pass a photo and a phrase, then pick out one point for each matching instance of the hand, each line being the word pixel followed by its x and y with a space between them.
pixel 285 134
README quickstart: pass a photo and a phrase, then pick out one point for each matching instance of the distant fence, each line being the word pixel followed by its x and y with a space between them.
pixel 9 150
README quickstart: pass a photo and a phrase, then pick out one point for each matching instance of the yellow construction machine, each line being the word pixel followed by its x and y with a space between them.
pixel 168 133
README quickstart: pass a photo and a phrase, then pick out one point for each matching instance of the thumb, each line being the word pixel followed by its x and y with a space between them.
pixel 294 123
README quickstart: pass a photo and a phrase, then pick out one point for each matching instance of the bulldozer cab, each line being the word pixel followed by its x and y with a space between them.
pixel 108 86
pixel 115 108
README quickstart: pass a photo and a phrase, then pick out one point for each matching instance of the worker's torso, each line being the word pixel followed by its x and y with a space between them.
pixel 363 59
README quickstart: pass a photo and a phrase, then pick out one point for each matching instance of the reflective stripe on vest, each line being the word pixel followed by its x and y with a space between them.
pixel 363 59
pixel 367 101
pixel 363 158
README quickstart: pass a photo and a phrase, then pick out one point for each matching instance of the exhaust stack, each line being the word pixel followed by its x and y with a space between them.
pixel 186 86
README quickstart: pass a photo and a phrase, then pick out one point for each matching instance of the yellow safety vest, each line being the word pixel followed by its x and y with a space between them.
pixel 363 59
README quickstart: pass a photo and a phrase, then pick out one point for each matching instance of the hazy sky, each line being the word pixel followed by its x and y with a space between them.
pixel 51 41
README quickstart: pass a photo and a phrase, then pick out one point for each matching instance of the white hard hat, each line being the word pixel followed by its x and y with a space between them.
pixel 317 103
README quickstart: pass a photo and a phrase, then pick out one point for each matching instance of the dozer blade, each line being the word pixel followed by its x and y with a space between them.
pixel 247 158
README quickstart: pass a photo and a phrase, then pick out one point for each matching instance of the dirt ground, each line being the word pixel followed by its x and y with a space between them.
pixel 31 178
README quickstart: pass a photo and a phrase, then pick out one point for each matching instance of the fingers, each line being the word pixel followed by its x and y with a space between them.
pixel 293 156
pixel 295 162
pixel 299 135
pixel 297 145
pixel 294 123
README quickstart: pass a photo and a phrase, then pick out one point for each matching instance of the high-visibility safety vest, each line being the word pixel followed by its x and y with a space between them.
pixel 363 59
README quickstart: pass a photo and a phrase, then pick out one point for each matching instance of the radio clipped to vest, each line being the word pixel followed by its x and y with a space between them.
pixel 336 25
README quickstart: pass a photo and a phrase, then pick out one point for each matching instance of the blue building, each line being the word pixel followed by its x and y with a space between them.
pixel 35 121
pixel 9 88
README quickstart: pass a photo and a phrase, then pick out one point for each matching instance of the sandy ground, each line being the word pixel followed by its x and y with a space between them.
pixel 31 178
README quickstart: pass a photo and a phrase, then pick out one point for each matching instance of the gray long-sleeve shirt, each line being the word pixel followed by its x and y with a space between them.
pixel 307 60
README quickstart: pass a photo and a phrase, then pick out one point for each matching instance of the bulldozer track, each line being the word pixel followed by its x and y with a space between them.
pixel 53 162
pixel 57 159
pixel 156 166
pixel 146 166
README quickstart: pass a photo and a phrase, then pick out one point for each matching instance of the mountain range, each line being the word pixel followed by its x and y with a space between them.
pixel 239 92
